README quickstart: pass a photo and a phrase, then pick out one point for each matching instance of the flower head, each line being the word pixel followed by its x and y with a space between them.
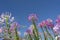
pixel 13 26
pixel 56 28
pixel 7 16
pixel 30 29
pixel 32 17
pixel 1 20
pixel 42 24
pixel 49 22
pixel 0 30
pixel 12 19
pixel 58 19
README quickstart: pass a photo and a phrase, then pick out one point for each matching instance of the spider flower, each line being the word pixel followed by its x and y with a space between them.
pixel 32 17
pixel 49 22
pixel 7 16
pixel 58 19
pixel 14 25
pixel 42 24
pixel 1 20
pixel 30 29
pixel 56 28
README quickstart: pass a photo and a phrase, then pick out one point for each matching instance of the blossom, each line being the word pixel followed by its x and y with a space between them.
pixel 7 16
pixel 58 19
pixel 30 29
pixel 32 17
pixel 13 26
pixel 43 23
pixel 0 30
pixel 12 19
pixel 1 20
pixel 49 22
pixel 56 28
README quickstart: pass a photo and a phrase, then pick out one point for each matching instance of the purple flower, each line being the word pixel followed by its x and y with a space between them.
pixel 58 19
pixel 42 24
pixel 32 17
pixel 14 25
pixel 30 29
pixel 57 28
pixel 49 22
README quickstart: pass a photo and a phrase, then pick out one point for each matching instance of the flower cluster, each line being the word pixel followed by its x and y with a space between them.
pixel 10 29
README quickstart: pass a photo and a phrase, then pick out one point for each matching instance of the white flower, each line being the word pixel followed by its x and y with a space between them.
pixel 1 20
pixel 6 15
pixel 12 19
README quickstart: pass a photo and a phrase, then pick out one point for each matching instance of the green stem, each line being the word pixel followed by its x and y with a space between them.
pixel 49 34
pixel 44 34
pixel 36 30
pixel 8 26
pixel 35 37
pixel 53 32
pixel 30 38
pixel 17 37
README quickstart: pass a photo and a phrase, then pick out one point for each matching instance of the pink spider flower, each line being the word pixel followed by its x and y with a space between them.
pixel 56 28
pixel 42 24
pixel 49 22
pixel 58 19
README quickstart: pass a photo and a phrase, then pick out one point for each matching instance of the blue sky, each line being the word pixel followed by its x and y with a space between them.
pixel 20 9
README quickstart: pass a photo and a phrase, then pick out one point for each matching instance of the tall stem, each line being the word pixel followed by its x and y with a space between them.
pixel 16 34
pixel 30 38
pixel 36 30
pixel 8 26
pixel 44 34
pixel 49 34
